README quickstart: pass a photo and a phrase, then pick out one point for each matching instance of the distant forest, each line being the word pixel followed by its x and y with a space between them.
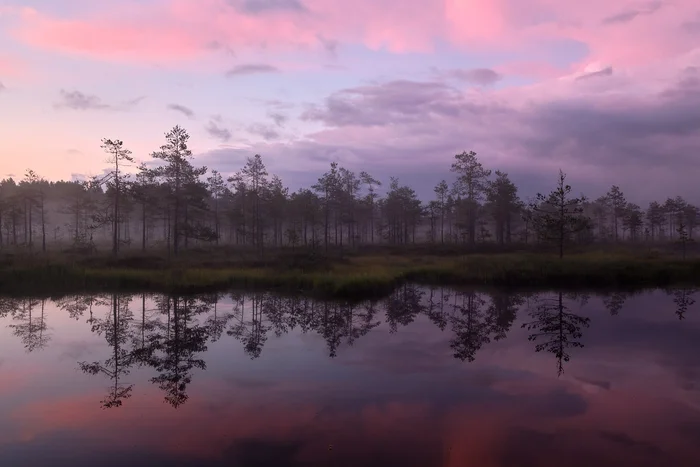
pixel 171 204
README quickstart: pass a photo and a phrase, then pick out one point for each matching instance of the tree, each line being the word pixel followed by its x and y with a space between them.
pixel 655 218
pixel 471 185
pixel 402 212
pixel 617 205
pixel 503 202
pixel 117 153
pixel 632 220
pixel 37 197
pixel 253 179
pixel 144 191
pixel 349 188
pixel 442 191
pixel 558 215
pixel 327 188
pixel 370 199
pixel 683 237
pixel 177 173
pixel 217 188
pixel 674 208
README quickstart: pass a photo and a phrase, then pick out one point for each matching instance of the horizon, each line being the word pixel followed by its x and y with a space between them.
pixel 607 91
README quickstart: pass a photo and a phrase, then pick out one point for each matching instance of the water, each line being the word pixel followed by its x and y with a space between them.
pixel 426 377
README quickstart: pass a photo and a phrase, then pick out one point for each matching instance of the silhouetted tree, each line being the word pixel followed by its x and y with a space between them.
pixel 558 215
pixel 617 205
pixel 177 172
pixel 502 198
pixel 471 186
pixel 117 154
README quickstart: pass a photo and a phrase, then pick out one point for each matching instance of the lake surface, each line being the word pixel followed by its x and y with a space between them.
pixel 426 377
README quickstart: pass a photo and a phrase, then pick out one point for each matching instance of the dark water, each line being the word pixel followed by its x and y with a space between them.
pixel 426 377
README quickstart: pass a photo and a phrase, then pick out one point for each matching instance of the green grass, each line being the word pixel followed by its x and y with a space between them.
pixel 355 276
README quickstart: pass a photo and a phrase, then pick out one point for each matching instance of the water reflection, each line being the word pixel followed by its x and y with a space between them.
pixel 431 356
pixel 555 328
pixel 683 298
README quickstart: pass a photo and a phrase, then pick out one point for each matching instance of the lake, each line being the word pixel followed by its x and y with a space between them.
pixel 425 377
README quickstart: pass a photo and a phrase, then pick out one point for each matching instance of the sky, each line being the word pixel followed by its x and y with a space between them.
pixel 607 90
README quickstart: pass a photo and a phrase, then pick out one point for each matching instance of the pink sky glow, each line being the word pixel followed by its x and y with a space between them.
pixel 606 90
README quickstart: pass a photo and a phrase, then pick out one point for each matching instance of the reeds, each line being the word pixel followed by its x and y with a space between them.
pixel 354 277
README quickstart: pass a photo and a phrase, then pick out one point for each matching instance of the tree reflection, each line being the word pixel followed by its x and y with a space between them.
pixel 476 321
pixel 614 302
pixel 503 310
pixel 216 323
pixel 436 307
pixel 115 327
pixel 174 347
pixel 249 327
pixel 683 298
pixel 31 327
pixel 470 325
pixel 170 333
pixel 255 315
pixel 403 305
pixel 77 305
pixel 556 327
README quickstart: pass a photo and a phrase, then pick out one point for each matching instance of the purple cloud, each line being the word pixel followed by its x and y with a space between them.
pixel 251 69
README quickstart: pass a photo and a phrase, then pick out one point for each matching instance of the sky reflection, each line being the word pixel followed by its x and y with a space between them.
pixel 260 380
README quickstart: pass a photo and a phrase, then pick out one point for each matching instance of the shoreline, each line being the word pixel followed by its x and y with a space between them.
pixel 354 277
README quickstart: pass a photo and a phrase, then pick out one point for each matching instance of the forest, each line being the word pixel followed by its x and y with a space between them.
pixel 169 205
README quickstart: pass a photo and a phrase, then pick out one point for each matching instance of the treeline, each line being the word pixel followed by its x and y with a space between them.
pixel 172 204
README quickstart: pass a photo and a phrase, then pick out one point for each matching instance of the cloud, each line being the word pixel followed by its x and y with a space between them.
pixel 330 45
pixel 628 442
pixel 600 384
pixel 77 100
pixel 279 118
pixel 266 6
pixel 250 69
pixel 630 14
pixel 181 30
pixel 625 127
pixel 479 76
pixel 400 101
pixel 182 109
pixel 2 87
pixel 267 132
pixel 692 26
pixel 131 103
pixel 216 131
pixel 607 71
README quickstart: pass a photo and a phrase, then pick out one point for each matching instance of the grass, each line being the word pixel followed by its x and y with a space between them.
pixel 353 276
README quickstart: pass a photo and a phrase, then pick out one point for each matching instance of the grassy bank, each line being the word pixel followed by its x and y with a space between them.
pixel 354 276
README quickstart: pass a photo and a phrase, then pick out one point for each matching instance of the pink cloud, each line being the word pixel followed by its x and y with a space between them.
pixel 182 29
pixel 541 70
pixel 620 33
pixel 175 30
